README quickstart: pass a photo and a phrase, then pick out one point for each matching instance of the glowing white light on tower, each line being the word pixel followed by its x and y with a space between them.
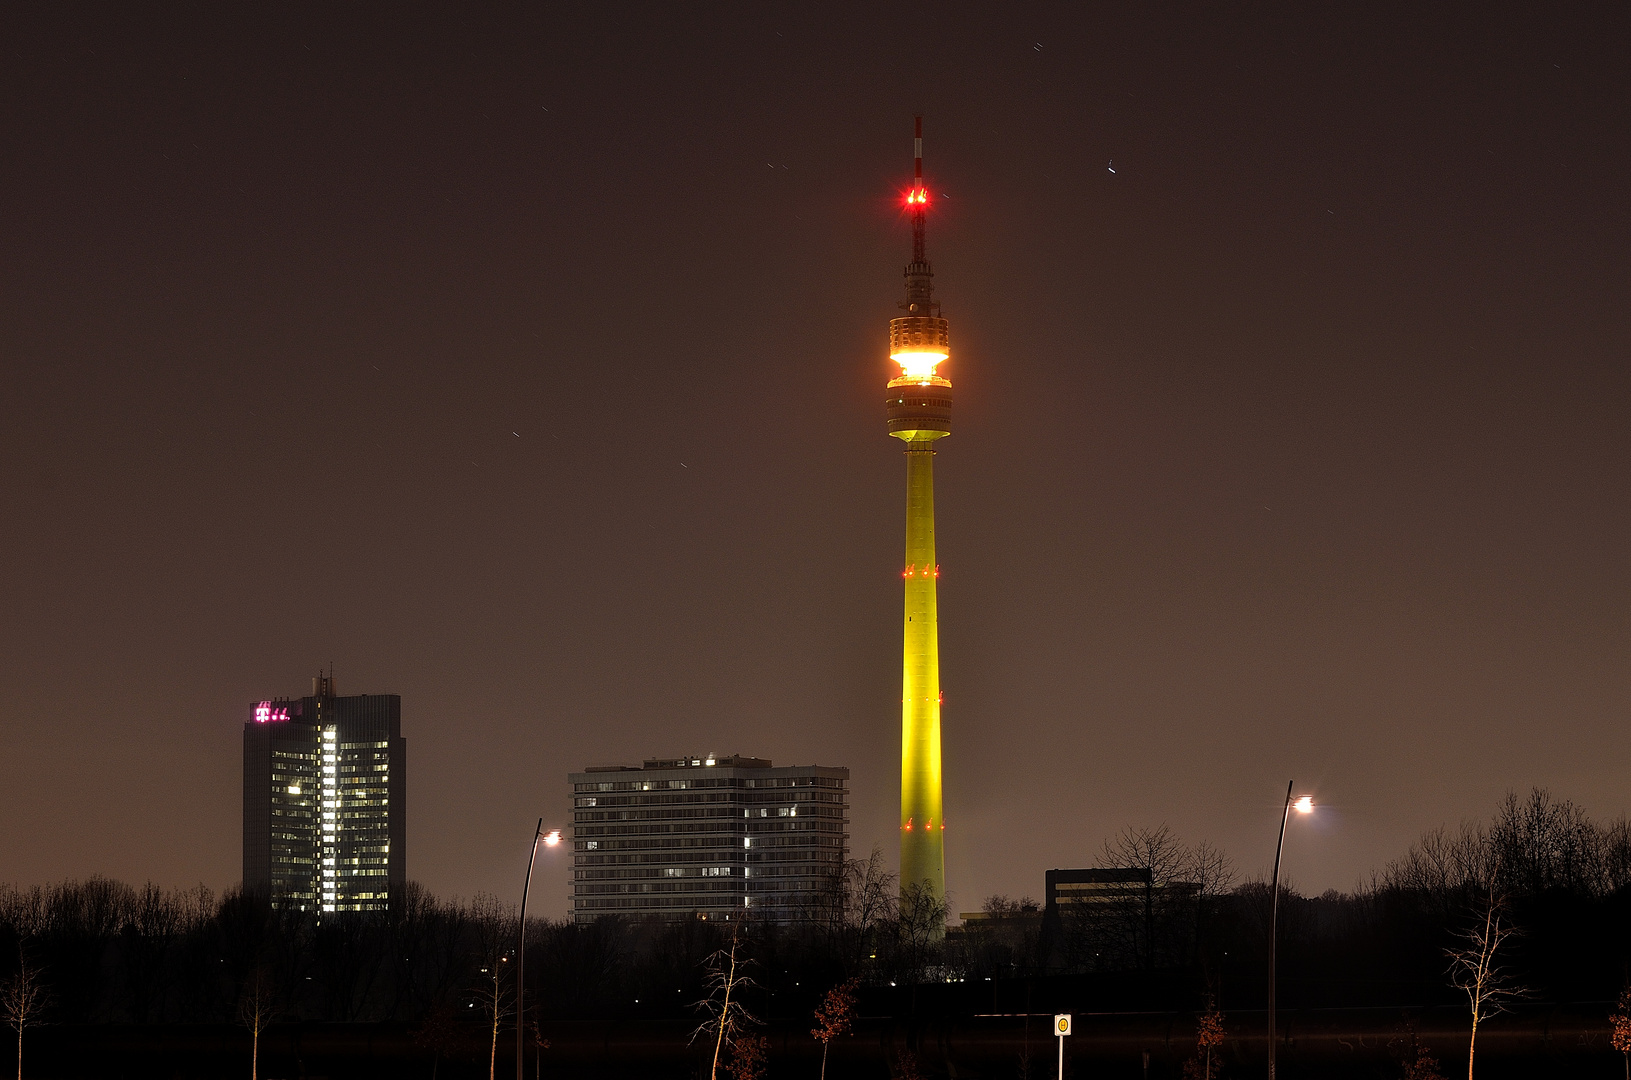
pixel 918 364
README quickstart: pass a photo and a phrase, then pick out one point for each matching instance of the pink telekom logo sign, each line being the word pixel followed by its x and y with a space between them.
pixel 264 713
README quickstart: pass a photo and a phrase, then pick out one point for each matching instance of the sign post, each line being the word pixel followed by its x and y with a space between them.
pixel 1061 1028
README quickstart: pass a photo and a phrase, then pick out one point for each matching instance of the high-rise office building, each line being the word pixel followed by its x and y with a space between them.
pixel 919 408
pixel 706 836
pixel 325 800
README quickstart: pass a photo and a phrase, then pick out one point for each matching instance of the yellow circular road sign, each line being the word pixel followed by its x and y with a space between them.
pixel 1061 1024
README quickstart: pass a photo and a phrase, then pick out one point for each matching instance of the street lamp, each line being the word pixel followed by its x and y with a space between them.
pixel 1303 805
pixel 550 839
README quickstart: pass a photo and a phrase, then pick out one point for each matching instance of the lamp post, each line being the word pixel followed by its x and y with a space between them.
pixel 1304 805
pixel 550 839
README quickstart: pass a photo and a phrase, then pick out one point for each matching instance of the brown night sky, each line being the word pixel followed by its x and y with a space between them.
pixel 528 362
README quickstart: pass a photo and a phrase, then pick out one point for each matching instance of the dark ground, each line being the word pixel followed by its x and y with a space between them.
pixel 1538 1041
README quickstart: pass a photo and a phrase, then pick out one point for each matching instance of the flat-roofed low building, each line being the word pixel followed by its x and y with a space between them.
pixel 1070 889
pixel 1111 918
pixel 706 836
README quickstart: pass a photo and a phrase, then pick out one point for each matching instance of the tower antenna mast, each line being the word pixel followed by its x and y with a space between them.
pixel 919 276
pixel 920 206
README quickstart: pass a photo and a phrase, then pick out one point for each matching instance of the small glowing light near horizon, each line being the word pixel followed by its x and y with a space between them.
pixel 1304 805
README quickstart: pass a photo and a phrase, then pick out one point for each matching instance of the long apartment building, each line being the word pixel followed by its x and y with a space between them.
pixel 706 837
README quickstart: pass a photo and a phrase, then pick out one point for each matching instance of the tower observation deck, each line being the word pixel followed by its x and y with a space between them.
pixel 919 410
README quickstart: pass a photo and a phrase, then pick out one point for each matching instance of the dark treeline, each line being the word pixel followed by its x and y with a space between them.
pixel 1562 880
pixel 111 953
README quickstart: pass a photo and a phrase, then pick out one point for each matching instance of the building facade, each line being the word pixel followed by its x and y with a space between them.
pixel 325 800
pixel 1099 887
pixel 709 837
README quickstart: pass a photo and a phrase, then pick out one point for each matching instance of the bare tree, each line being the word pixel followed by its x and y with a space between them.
pixel 257 1008
pixel 1157 850
pixel 493 923
pixel 1542 843
pixel 727 1017
pixel 1475 967
pixel 146 937
pixel 22 999
pixel 834 1017
pixel 917 934
pixel 1151 924
pixel 496 1000
pixel 1209 868
pixel 871 891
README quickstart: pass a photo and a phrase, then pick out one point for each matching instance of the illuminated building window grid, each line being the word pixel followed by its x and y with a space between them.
pixel 357 791
pixel 632 839
pixel 329 815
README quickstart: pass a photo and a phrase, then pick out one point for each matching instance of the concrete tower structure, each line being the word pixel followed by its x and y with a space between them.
pixel 919 406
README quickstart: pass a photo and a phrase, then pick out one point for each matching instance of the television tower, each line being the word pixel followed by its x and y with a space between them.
pixel 919 406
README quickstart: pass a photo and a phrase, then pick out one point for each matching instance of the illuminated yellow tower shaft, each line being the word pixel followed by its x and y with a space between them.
pixel 923 823
pixel 919 407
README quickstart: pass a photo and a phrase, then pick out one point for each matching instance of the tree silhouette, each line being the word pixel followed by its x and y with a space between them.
pixel 256 1009
pixel 22 999
pixel 726 1015
pixel 834 1017
pixel 1475 968
pixel 1209 1036
pixel 496 999
pixel 750 1058
pixel 1621 1019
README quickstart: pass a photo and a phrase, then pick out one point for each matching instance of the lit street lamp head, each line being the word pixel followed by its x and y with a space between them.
pixel 1304 804
pixel 552 838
